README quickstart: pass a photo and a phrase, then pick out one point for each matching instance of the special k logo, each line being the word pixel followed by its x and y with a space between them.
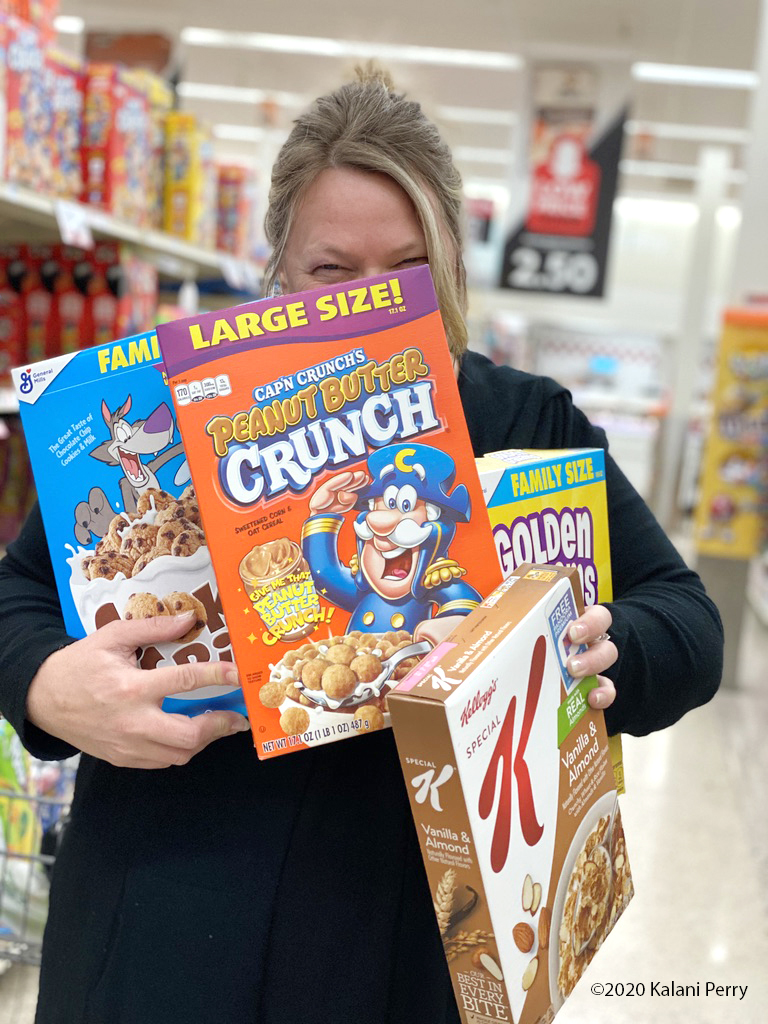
pixel 513 761
pixel 428 786
pixel 440 681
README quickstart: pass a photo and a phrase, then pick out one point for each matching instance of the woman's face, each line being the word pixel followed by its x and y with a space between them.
pixel 350 224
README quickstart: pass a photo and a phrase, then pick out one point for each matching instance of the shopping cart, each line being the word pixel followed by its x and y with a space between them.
pixel 25 868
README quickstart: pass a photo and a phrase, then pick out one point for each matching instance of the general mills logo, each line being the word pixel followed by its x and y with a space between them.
pixel 26 382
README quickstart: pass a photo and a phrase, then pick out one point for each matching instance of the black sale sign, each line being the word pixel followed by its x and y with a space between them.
pixel 560 245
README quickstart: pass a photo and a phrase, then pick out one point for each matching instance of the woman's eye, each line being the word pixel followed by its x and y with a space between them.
pixel 413 259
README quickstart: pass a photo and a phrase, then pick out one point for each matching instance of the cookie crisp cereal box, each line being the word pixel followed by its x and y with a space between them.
pixel 509 776
pixel 551 507
pixel 121 520
pixel 339 494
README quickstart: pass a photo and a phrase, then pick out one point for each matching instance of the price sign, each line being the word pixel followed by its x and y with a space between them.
pixel 74 225
pixel 555 271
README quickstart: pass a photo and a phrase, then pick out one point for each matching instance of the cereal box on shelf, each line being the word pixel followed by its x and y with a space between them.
pixel 66 78
pixel 337 485
pixel 190 180
pixel 117 145
pixel 121 517
pixel 26 142
pixel 551 506
pixel 236 208
pixel 509 776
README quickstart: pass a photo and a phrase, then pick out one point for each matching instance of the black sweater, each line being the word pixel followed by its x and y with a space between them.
pixel 292 890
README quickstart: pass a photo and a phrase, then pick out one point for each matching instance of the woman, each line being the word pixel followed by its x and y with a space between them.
pixel 220 889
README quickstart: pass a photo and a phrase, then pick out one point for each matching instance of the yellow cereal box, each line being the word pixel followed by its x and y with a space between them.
pixel 551 507
pixel 337 485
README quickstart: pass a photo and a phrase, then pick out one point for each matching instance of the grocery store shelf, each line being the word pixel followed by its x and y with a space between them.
pixel 172 256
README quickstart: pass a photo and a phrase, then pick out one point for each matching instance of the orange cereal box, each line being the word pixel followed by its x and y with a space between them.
pixel 336 480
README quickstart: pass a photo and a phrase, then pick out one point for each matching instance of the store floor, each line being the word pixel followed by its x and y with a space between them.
pixel 697 834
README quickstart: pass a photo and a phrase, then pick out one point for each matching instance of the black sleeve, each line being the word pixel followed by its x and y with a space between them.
pixel 667 630
pixel 31 629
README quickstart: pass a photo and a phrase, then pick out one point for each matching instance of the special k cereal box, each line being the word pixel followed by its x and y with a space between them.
pixel 121 517
pixel 339 494
pixel 551 507
pixel 509 777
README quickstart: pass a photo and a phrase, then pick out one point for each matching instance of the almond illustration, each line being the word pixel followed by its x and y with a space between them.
pixel 544 919
pixel 529 974
pixel 523 935
pixel 527 892
pixel 536 897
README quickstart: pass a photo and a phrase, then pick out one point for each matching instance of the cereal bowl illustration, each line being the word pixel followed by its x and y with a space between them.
pixel 156 562
pixel 594 890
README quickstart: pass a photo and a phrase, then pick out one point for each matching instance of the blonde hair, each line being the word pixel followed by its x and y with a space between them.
pixel 367 125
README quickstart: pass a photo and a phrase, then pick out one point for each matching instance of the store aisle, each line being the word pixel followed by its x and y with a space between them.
pixel 697 836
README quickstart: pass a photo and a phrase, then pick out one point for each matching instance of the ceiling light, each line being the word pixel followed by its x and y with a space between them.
pixel 246 133
pixel 68 24
pixel 689 132
pixel 482 154
pixel 657 169
pixel 478 115
pixel 683 74
pixel 238 94
pixel 344 48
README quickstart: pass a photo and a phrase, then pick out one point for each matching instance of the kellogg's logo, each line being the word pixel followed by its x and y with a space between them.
pixel 479 702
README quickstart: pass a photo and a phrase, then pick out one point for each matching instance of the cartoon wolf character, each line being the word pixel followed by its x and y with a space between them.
pixel 128 442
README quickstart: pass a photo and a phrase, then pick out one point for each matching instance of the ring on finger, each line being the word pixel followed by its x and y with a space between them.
pixel 603 636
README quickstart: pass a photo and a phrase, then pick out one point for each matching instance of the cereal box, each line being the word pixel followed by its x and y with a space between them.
pixel 551 506
pixel 26 149
pixel 190 180
pixel 236 208
pixel 121 518
pixel 510 782
pixel 338 490
pixel 117 150
pixel 66 78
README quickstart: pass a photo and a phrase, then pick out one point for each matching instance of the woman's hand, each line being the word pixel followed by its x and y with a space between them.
pixel 93 695
pixel 592 629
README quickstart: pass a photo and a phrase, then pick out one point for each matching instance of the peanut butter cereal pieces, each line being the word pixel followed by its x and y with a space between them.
pixel 370 716
pixel 155 498
pixel 144 606
pixel 187 543
pixel 109 565
pixel 294 721
pixel 292 693
pixel 177 603
pixel 312 673
pixel 272 695
pixel 341 654
pixel 366 667
pixel 339 681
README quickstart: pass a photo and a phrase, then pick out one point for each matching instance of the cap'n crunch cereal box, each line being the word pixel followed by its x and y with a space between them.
pixel 509 777
pixel 338 489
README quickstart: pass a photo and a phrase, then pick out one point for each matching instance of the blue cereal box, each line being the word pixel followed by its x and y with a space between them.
pixel 120 514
